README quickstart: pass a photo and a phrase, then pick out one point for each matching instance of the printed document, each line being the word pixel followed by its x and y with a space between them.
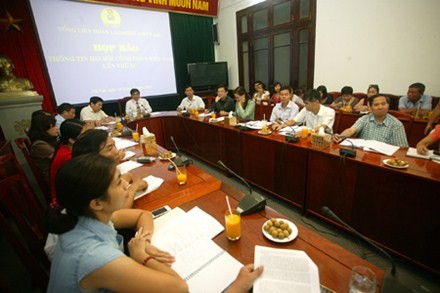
pixel 285 270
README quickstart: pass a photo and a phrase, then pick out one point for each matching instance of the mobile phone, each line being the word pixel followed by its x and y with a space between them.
pixel 160 211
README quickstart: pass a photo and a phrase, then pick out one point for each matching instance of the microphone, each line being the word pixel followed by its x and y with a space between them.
pixel 291 137
pixel 391 282
pixel 146 114
pixel 181 160
pixel 250 203
pixel 344 152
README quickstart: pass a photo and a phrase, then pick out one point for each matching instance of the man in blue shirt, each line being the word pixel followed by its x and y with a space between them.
pixel 415 102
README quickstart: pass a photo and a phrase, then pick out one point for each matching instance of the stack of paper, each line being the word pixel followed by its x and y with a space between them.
pixel 123 143
pixel 412 152
pixel 371 146
pixel 285 271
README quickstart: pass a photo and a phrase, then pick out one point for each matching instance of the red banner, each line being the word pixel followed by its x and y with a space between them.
pixel 201 7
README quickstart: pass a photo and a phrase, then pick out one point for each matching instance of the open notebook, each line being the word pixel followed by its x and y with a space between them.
pixel 200 261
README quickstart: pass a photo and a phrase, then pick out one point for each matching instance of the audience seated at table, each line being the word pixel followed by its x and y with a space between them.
pixel 379 125
pixel 285 110
pixel 93 113
pixel 346 101
pixel 326 98
pixel 223 104
pixel 261 94
pixel 137 106
pixel 415 102
pixel 43 135
pixel 430 139
pixel 69 131
pixel 275 98
pixel 191 101
pixel 244 106
pixel 98 142
pixel 313 115
pixel 89 257
pixel 65 111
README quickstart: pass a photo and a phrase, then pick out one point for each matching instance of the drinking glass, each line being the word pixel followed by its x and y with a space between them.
pixel 233 225
pixel 363 280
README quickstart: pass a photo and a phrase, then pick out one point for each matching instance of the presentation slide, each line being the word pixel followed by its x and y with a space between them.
pixel 99 50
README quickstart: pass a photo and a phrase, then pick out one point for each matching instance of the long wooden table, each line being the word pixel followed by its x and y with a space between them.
pixel 395 208
pixel 208 193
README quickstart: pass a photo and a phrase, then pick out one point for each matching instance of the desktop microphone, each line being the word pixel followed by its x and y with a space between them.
pixel 250 203
pixel 146 114
pixel 347 153
pixel 291 137
pixel 181 160
pixel 390 282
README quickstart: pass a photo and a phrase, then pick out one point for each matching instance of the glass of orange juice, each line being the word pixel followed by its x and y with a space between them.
pixel 233 225
pixel 304 132
pixel 213 115
pixel 181 175
pixel 120 126
pixel 135 136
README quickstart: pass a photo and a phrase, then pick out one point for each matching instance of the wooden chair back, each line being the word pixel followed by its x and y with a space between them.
pixel 21 224
pixel 121 104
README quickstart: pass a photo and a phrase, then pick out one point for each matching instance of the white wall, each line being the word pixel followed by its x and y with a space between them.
pixel 389 42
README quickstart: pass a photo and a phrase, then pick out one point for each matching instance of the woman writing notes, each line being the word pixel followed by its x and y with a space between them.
pixel 88 256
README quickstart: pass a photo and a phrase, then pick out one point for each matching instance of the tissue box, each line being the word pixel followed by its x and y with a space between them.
pixel 230 121
pixel 148 144
pixel 321 141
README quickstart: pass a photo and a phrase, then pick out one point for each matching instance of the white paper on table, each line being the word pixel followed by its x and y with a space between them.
pixel 285 270
pixel 380 147
pixel 357 142
pixel 155 113
pixel 412 152
pixel 102 127
pixel 127 166
pixel 153 184
pixel 128 155
pixel 257 124
pixel 291 130
pixel 205 114
pixel 123 143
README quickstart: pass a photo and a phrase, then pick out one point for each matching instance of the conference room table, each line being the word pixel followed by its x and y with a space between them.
pixel 208 193
pixel 396 208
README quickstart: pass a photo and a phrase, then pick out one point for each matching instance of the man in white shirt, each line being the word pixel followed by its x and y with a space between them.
pixel 314 115
pixel 191 101
pixel 93 112
pixel 137 106
pixel 65 111
pixel 286 110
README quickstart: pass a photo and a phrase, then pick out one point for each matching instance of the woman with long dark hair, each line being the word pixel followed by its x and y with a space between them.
pixel 98 142
pixel 88 257
pixel 69 131
pixel 43 135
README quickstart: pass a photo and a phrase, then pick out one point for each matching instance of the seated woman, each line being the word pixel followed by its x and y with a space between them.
pixel 276 98
pixel 89 258
pixel 245 106
pixel 430 139
pixel 69 130
pixel 43 135
pixel 98 142
pixel 346 101
pixel 261 93
pixel 326 98
pixel 373 89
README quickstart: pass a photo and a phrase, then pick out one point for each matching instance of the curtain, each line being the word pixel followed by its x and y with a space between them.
pixel 24 51
pixel 192 42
